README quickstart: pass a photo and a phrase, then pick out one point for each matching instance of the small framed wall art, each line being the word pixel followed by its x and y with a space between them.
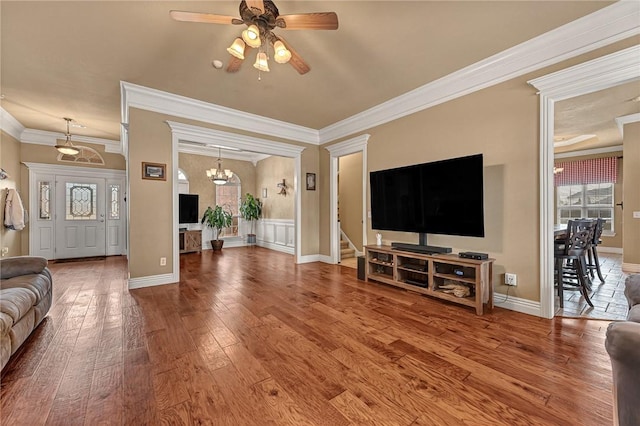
pixel 311 181
pixel 154 171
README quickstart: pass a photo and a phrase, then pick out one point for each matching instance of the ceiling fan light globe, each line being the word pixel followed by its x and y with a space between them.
pixel 282 55
pixel 219 181
pixel 261 62
pixel 251 36
pixel 237 48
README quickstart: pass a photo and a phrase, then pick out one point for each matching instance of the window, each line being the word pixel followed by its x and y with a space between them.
pixel 81 201
pixel 228 196
pixel 114 201
pixel 45 201
pixel 86 155
pixel 591 201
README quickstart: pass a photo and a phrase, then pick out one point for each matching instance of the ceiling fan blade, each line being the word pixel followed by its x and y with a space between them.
pixel 309 21
pixel 296 60
pixel 207 18
pixel 256 4
pixel 234 64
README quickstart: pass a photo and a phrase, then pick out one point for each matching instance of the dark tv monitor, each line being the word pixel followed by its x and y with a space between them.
pixel 440 197
pixel 188 208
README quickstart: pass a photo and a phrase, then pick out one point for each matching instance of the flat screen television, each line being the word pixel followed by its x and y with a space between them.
pixel 440 197
pixel 188 208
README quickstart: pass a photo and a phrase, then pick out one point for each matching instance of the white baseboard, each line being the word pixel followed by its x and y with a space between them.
pixel 152 280
pixel 277 247
pixel 616 250
pixel 631 267
pixel 309 258
pixel 517 304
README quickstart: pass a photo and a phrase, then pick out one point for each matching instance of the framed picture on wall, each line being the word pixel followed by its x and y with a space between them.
pixel 154 171
pixel 311 181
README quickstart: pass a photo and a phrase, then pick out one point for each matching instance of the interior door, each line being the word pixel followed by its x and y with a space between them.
pixel 80 217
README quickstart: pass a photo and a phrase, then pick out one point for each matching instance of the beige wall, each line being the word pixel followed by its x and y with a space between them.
pixel 614 241
pixel 631 239
pixel 150 201
pixel 195 167
pixel 502 122
pixel 10 162
pixel 270 172
pixel 350 197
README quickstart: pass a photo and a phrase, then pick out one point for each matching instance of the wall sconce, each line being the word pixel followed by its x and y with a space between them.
pixel 283 188
pixel 264 192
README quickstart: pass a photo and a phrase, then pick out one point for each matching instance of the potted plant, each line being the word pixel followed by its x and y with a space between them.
pixel 251 210
pixel 217 219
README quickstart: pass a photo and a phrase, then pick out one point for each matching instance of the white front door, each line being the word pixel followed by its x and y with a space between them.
pixel 80 217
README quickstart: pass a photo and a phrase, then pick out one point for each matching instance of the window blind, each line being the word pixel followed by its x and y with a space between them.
pixel 595 170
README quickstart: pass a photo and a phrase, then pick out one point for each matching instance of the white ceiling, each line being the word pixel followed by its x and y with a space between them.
pixel 67 58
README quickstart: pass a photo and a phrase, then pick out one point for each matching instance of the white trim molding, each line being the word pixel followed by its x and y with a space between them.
pixel 149 99
pixel 10 125
pixel 340 149
pixel 517 304
pixel 605 150
pixel 627 119
pixel 277 234
pixel 613 23
pixel 151 281
pixel 631 267
pixel 43 137
pixel 608 71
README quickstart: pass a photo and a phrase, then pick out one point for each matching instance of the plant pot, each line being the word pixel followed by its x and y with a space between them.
pixel 217 244
pixel 251 238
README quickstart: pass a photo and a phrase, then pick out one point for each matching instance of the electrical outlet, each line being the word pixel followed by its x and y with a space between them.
pixel 5 251
pixel 163 261
pixel 510 279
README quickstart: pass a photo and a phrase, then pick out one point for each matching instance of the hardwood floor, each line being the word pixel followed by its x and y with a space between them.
pixel 249 338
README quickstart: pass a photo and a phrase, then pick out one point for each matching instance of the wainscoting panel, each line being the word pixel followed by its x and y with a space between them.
pixel 277 234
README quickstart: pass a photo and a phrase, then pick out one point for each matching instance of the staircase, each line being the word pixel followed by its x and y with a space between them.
pixel 345 251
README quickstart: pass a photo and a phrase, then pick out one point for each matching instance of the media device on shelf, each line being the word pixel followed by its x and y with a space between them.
pixel 188 208
pixel 440 197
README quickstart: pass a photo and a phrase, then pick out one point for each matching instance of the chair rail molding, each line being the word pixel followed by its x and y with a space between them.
pixel 608 71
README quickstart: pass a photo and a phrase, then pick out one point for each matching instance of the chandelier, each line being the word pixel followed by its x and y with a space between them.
pixel 218 175
pixel 67 148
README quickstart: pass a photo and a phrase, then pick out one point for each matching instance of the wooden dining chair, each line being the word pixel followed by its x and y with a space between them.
pixel 592 254
pixel 571 259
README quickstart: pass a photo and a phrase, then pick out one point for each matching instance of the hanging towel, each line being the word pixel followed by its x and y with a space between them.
pixel 14 211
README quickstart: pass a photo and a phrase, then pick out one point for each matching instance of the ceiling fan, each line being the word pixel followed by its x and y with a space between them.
pixel 261 17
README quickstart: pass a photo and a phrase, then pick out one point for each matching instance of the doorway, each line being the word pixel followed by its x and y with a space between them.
pixel 349 205
pixel 75 212
pixel 599 74
pixel 342 149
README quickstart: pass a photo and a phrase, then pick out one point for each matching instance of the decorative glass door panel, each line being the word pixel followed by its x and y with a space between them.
pixel 80 217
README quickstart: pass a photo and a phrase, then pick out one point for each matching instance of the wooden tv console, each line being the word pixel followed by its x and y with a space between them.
pixel 427 273
pixel 190 241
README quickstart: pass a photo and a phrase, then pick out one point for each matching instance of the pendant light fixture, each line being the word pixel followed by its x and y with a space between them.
pixel 218 175
pixel 67 148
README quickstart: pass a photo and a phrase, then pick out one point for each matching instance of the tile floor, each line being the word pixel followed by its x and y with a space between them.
pixel 608 298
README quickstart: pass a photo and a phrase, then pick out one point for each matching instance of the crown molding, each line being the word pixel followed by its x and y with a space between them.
pixel 10 125
pixel 203 135
pixel 158 101
pixel 593 151
pixel 211 151
pixel 573 141
pixel 43 137
pixel 350 146
pixel 617 22
pixel 611 70
pixel 621 121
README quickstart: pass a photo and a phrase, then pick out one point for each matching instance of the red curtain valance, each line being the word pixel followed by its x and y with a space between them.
pixel 595 170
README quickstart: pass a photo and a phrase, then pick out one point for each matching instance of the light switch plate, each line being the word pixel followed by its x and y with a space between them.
pixel 636 215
